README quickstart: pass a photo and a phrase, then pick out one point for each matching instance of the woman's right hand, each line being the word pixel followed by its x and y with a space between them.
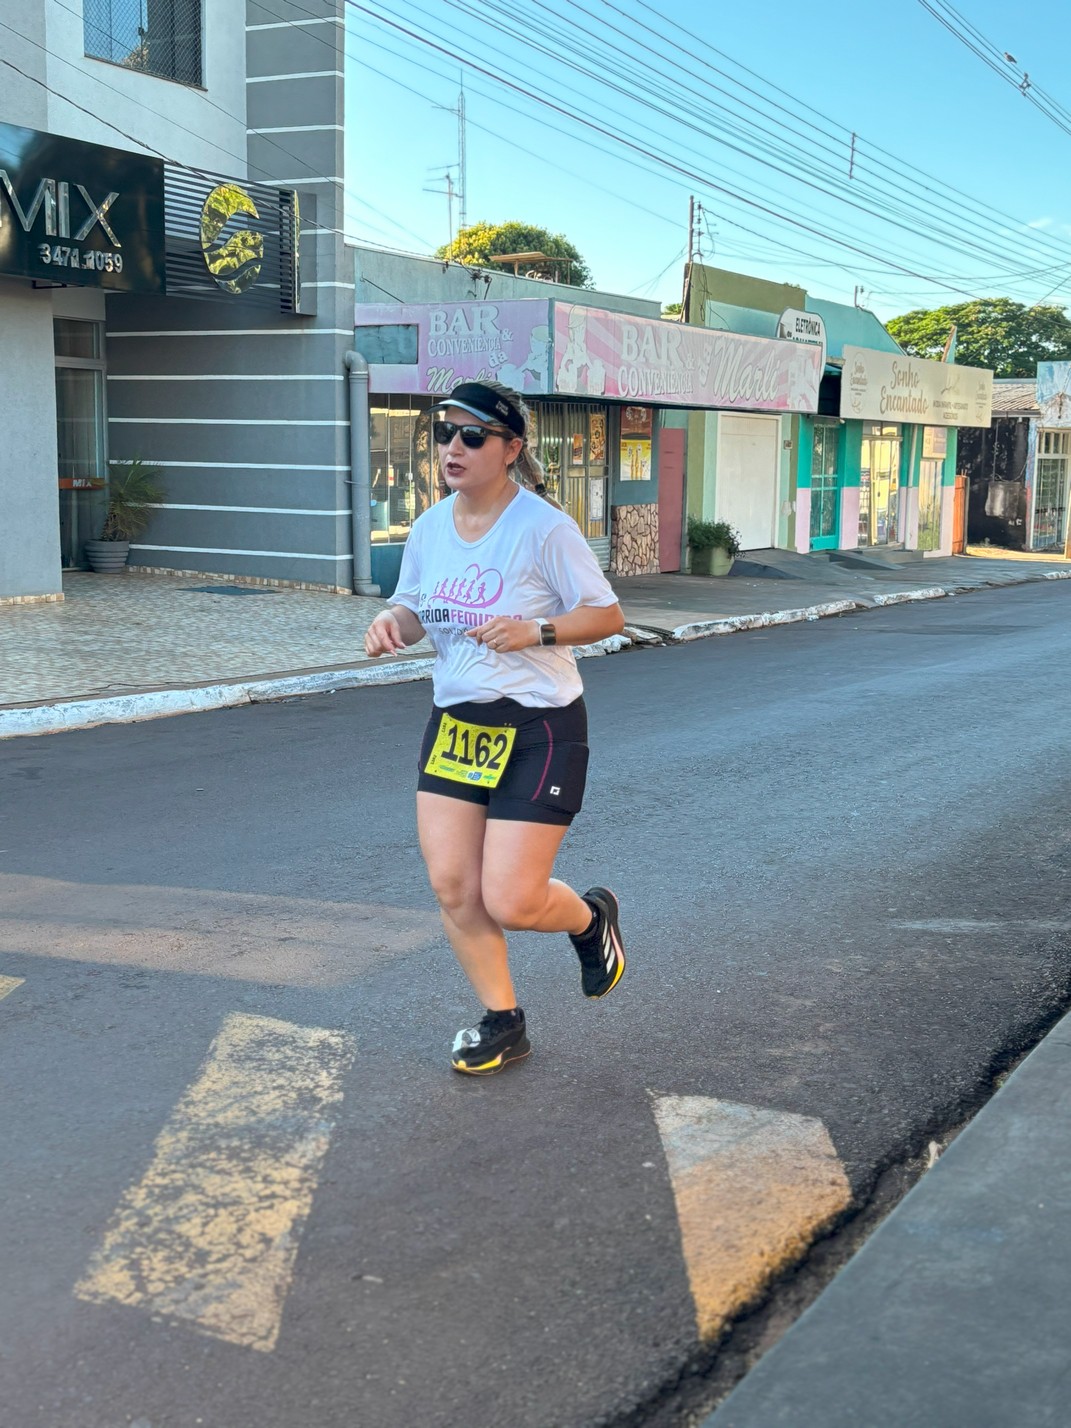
pixel 383 636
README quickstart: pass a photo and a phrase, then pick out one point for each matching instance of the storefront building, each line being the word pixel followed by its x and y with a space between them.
pixel 1019 468
pixel 173 287
pixel 873 467
pixel 609 393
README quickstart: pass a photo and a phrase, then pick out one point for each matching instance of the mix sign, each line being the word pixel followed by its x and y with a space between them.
pixel 80 214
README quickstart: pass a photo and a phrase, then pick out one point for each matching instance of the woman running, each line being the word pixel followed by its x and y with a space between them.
pixel 503 583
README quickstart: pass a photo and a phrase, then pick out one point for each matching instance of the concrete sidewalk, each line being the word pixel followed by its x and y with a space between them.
pixel 955 1313
pixel 134 646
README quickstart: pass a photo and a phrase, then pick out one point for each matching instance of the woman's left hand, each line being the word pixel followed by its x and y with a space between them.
pixel 504 635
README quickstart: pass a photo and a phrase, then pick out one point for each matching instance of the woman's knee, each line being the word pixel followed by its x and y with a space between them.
pixel 456 890
pixel 514 906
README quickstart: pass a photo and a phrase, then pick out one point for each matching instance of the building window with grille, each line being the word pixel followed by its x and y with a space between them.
pixel 161 37
pixel 1051 490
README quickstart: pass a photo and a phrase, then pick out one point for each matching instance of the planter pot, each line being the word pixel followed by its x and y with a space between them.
pixel 107 557
pixel 713 560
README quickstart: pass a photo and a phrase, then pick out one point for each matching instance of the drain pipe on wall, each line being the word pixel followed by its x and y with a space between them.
pixel 360 475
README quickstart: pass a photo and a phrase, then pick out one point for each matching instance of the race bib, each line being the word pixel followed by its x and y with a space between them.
pixel 470 753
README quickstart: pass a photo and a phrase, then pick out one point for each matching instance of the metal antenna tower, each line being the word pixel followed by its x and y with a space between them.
pixel 462 161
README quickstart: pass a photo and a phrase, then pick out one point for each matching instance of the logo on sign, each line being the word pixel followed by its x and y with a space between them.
pixel 234 260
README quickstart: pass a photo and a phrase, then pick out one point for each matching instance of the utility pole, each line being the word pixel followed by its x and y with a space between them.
pixel 449 190
pixel 690 251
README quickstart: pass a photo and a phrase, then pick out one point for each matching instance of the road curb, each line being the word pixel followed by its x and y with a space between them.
pixel 89 713
pixel 703 629
pixel 161 703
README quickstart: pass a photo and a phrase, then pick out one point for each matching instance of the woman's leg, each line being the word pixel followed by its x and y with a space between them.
pixel 452 834
pixel 517 888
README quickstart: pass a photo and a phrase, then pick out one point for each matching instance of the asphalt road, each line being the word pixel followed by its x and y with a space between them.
pixel 842 853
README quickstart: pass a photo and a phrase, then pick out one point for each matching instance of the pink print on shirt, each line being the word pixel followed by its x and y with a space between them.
pixel 464 601
pixel 474 589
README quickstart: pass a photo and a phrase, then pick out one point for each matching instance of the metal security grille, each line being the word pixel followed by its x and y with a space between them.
pixel 161 37
pixel 1050 502
pixel 572 443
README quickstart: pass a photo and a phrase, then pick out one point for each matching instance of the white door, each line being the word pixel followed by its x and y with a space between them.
pixel 749 452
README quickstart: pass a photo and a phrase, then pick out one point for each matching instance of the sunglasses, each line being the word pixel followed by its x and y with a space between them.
pixel 473 437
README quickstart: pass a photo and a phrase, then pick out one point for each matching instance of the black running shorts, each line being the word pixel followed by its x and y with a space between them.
pixel 529 765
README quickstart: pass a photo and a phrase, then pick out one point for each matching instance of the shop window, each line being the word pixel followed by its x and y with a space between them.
pixel 572 440
pixel 402 488
pixel 637 426
pixel 161 37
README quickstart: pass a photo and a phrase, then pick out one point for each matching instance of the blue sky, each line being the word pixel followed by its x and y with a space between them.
pixel 930 118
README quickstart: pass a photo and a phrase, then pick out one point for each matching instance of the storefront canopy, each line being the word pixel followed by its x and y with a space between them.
pixel 554 348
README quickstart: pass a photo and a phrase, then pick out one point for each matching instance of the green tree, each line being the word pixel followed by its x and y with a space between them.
pixel 1005 336
pixel 480 242
pixel 672 309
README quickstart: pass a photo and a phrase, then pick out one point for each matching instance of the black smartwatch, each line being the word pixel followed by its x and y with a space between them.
pixel 548 635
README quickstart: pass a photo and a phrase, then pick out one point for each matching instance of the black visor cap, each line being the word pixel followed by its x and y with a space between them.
pixel 485 402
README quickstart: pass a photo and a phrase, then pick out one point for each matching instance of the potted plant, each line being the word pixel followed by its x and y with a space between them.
pixel 714 546
pixel 133 490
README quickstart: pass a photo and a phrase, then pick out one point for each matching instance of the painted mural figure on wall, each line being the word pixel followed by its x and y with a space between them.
pixel 579 370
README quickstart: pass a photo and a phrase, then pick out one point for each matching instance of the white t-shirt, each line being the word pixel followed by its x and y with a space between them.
pixel 532 562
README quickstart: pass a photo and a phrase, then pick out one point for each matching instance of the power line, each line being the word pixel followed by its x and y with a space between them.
pixel 634 146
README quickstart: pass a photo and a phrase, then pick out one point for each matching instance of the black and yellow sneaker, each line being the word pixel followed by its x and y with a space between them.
pixel 601 953
pixel 499 1039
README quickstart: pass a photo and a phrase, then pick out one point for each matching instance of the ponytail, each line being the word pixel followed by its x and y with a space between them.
pixel 527 469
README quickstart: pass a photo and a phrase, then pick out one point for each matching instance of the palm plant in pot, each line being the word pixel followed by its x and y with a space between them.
pixel 133 490
pixel 714 546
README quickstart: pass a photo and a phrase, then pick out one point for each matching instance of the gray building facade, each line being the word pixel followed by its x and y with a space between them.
pixel 237 394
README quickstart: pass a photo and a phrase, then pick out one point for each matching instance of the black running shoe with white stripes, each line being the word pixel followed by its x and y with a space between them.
pixel 601 953
pixel 498 1039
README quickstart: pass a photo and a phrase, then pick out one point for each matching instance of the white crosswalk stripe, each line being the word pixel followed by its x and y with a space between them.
pixel 753 1187
pixel 209 1234
pixel 8 985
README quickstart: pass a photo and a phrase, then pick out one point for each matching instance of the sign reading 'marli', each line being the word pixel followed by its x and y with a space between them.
pixel 609 354
pixel 80 214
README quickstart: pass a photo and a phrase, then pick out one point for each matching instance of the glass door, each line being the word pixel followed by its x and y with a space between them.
pixel 401 466
pixel 80 437
pixel 879 490
pixel 931 479
pixel 930 504
pixel 572 443
pixel 825 485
